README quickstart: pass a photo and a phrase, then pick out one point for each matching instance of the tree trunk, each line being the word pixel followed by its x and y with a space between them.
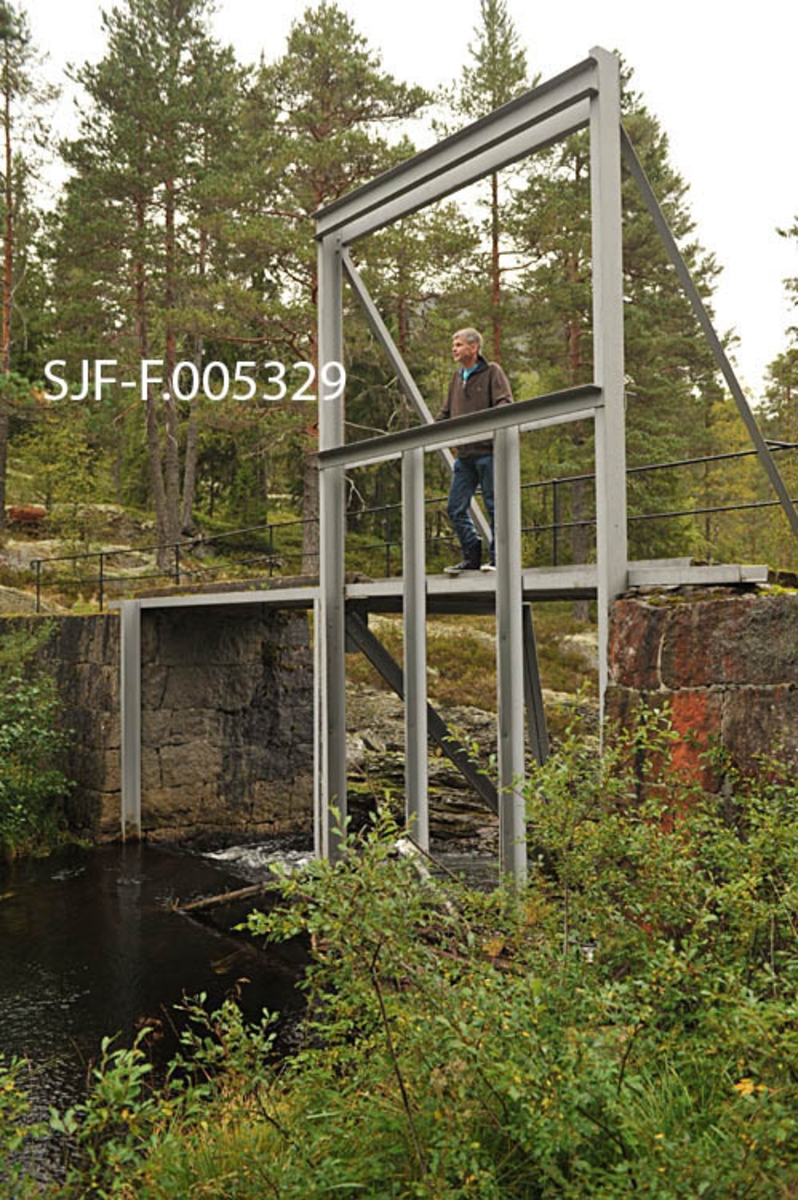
pixel 192 439
pixel 151 401
pixel 8 268
pixel 311 542
pixel 151 423
pixel 3 462
pixel 171 423
pixel 495 269
pixel 190 459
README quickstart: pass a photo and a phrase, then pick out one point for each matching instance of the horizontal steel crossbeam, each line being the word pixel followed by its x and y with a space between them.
pixel 572 404
pixel 534 120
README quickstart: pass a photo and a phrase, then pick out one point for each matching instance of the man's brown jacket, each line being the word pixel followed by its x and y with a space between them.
pixel 486 387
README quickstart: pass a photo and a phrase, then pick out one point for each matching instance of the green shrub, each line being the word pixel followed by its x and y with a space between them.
pixel 627 1022
pixel 16 1128
pixel 32 784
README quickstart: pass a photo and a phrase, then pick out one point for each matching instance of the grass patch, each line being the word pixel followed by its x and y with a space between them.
pixel 461 656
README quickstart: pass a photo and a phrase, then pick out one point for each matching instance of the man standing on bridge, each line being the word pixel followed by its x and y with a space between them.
pixel 475 385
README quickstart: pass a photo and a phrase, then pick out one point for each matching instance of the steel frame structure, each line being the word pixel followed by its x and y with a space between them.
pixel 587 95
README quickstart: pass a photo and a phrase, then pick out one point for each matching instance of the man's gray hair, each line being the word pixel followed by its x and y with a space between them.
pixel 471 336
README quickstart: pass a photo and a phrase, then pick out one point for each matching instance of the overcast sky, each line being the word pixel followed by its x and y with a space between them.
pixel 720 79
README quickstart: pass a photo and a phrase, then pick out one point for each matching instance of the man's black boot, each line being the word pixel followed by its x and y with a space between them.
pixel 471 562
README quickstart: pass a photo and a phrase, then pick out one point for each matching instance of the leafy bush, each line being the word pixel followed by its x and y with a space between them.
pixel 627 1022
pixel 31 782
pixel 16 1128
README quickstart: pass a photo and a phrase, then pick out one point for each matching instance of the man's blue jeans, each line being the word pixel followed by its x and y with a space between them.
pixel 470 473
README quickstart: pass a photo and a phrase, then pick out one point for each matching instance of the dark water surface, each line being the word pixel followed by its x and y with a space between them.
pixel 91 946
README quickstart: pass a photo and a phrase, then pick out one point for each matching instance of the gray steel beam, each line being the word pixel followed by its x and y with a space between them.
pixel 532 121
pixel 550 130
pixel 608 347
pixel 415 646
pixel 318 710
pixel 509 655
pixel 570 404
pixel 332 518
pixel 439 731
pixel 721 358
pixel 281 597
pixel 130 717
pixel 533 693
pixel 406 380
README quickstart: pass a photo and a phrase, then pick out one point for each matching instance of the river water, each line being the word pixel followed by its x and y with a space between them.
pixel 90 945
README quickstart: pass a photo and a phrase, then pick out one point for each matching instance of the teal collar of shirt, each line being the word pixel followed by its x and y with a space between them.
pixel 466 371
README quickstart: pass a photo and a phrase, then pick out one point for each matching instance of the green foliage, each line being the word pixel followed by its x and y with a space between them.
pixel 16 1128
pixel 126 1117
pixel 627 1022
pixel 31 782
pixel 68 473
pixel 184 232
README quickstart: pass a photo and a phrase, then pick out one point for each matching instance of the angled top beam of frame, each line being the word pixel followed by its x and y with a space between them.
pixel 558 107
pixel 571 404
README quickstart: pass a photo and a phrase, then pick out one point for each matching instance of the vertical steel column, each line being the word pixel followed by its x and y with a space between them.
pixel 318 711
pixel 509 654
pixel 332 516
pixel 608 362
pixel 415 646
pixel 130 716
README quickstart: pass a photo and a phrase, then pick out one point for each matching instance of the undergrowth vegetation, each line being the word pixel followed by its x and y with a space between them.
pixel 627 1022
pixel 461 655
pixel 32 783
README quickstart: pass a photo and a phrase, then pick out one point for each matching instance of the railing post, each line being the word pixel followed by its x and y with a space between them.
pixel 555 520
pixel 387 541
pixel 100 581
pixel 177 563
pixel 509 656
pixel 415 646
pixel 271 551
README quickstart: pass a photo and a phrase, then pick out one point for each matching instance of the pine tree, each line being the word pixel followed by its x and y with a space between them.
pixel 19 95
pixel 671 376
pixel 495 73
pixel 318 122
pixel 135 243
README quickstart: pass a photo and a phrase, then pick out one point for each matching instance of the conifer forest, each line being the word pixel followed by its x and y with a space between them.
pixel 181 235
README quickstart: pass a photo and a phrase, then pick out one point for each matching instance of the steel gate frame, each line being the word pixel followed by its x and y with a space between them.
pixel 586 95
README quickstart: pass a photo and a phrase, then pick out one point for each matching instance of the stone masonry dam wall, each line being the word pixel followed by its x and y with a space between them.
pixel 227 702
pixel 227 720
pixel 725 662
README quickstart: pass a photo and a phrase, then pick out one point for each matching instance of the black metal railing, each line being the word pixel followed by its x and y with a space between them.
pixel 181 561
